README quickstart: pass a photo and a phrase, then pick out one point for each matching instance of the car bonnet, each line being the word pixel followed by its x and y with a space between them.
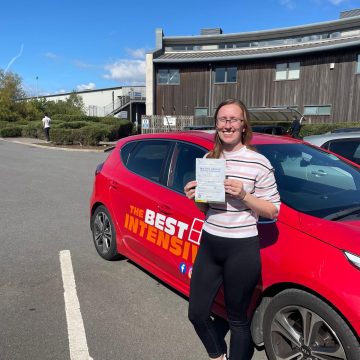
pixel 344 235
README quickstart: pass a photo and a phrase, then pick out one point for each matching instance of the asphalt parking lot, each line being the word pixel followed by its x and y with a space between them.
pixel 111 310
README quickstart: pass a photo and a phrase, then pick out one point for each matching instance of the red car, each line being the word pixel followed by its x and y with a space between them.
pixel 307 304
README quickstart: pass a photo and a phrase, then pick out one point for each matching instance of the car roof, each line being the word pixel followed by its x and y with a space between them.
pixel 340 130
pixel 323 138
pixel 208 137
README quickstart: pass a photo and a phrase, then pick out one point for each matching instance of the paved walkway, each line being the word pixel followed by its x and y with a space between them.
pixel 44 145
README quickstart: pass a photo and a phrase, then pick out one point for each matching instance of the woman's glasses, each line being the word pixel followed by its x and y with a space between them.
pixel 232 121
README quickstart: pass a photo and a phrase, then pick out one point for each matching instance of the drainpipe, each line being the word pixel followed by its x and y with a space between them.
pixel 210 91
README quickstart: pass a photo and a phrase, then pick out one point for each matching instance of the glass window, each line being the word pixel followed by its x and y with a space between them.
pixel 317 110
pixel 225 75
pixel 348 148
pixel 201 111
pixel 162 76
pixel 281 71
pixel 183 168
pixel 287 71
pixel 174 77
pixel 148 158
pixel 294 70
pixel 313 181
pixel 231 74
pixel 168 76
pixel 220 75
pixel 358 64
pixel 324 110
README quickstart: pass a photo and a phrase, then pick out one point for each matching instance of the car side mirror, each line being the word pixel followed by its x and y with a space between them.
pixel 304 163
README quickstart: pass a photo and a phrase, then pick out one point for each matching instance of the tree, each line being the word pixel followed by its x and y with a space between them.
pixel 11 93
pixel 76 102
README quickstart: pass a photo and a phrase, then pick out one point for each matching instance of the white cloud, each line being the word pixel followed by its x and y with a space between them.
pixel 52 56
pixel 130 72
pixel 290 4
pixel 89 86
pixel 337 2
pixel 84 65
pixel 136 53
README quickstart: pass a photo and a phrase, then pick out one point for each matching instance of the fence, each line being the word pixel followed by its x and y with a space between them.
pixel 167 123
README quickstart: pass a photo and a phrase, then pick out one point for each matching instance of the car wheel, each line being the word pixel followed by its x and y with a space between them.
pixel 298 325
pixel 104 235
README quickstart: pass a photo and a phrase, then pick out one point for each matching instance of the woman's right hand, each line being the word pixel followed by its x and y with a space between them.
pixel 189 189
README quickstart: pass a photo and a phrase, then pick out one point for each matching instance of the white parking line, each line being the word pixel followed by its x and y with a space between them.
pixel 76 331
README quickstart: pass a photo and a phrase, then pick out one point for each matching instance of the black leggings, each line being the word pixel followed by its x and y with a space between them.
pixel 236 264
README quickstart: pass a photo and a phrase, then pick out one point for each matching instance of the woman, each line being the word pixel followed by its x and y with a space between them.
pixel 229 252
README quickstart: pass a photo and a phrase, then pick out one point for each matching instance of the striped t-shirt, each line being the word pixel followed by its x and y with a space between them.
pixel 234 219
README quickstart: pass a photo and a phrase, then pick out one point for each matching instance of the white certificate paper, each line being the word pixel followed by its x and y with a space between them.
pixel 210 176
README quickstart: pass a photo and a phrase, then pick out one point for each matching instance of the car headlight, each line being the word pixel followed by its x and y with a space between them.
pixel 354 259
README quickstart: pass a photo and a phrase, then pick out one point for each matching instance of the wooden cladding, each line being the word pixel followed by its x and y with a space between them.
pixel 325 79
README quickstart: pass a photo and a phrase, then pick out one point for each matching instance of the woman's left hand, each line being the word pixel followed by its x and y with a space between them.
pixel 235 188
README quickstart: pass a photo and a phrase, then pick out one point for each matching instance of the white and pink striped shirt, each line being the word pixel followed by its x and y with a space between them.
pixel 233 219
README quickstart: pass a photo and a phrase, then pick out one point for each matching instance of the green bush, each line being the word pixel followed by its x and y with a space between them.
pixel 72 124
pixel 316 129
pixel 33 130
pixel 62 136
pixel 70 118
pixel 90 135
pixel 11 131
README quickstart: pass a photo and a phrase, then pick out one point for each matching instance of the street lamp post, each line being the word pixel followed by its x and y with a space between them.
pixel 37 88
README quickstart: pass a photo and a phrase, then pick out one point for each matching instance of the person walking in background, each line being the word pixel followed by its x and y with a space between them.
pixel 296 127
pixel 46 125
pixel 229 251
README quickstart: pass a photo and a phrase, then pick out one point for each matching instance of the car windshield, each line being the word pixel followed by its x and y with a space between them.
pixel 313 181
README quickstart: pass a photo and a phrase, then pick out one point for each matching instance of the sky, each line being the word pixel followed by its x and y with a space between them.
pixel 67 45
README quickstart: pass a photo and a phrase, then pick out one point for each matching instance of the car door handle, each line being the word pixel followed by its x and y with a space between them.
pixel 165 209
pixel 319 173
pixel 114 184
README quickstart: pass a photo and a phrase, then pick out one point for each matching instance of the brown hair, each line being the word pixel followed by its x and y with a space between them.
pixel 246 136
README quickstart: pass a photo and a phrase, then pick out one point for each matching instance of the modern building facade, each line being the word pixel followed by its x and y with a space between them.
pixel 313 69
pixel 123 101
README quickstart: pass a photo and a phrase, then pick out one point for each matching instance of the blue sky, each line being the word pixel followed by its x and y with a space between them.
pixel 61 46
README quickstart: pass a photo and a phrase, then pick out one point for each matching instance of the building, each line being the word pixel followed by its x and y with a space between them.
pixel 124 101
pixel 313 69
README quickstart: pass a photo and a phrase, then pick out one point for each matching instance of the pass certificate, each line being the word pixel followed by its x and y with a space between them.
pixel 210 176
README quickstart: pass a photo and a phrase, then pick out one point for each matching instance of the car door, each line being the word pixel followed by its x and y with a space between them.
pixel 161 228
pixel 139 194
pixel 182 170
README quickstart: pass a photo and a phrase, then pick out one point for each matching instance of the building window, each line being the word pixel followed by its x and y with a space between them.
pixel 201 112
pixel 317 110
pixel 225 75
pixel 168 76
pixel 358 64
pixel 287 71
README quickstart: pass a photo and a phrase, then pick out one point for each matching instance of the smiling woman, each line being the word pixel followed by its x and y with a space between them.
pixel 229 252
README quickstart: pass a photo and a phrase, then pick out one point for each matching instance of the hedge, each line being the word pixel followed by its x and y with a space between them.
pixel 11 131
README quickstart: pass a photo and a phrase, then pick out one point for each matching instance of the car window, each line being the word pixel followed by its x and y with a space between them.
pixel 148 158
pixel 348 148
pixel 183 165
pixel 313 181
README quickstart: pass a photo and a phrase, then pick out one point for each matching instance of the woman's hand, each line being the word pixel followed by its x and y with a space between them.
pixel 189 189
pixel 235 188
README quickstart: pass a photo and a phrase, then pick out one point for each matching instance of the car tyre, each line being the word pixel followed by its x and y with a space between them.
pixel 104 234
pixel 299 325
